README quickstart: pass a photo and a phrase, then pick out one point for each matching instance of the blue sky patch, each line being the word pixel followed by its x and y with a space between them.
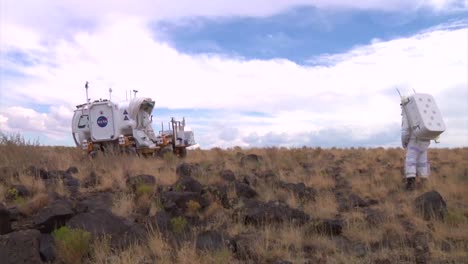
pixel 298 34
pixel 20 58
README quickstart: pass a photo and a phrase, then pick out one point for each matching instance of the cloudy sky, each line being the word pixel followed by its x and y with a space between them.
pixel 243 73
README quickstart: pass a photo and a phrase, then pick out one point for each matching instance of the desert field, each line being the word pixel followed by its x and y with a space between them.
pixel 268 205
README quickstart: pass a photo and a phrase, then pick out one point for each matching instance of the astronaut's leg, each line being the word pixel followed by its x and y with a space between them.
pixel 422 166
pixel 411 160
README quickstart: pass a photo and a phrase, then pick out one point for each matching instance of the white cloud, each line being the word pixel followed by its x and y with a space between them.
pixel 54 125
pixel 45 15
pixel 352 94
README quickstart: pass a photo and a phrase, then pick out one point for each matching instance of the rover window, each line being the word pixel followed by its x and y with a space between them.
pixel 83 121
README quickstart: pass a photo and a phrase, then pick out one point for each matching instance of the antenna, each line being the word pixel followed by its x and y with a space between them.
pixel 86 86
pixel 110 94
pixel 396 88
pixel 134 93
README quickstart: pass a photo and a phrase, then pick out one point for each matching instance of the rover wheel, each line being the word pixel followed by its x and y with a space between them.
pixel 182 152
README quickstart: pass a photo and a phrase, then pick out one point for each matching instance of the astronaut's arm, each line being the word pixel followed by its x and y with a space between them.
pixel 405 130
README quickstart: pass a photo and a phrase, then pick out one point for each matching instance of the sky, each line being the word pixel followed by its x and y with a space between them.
pixel 260 73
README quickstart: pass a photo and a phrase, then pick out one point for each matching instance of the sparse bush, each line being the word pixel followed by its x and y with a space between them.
pixel 72 244
pixel 178 224
pixel 222 256
pixel 193 207
pixel 454 217
pixel 144 189
pixel 169 157
pixel 179 187
pixel 12 194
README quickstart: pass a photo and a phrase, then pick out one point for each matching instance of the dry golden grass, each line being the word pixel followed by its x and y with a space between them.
pixel 3 192
pixel 159 247
pixel 34 185
pixel 325 205
pixel 357 229
pixel 123 205
pixel 371 173
pixel 133 254
pixel 321 181
pixel 37 202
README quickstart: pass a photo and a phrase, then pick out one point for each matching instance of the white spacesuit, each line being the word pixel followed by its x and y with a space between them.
pixel 416 163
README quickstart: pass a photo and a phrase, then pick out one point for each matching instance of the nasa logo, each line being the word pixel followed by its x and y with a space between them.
pixel 102 121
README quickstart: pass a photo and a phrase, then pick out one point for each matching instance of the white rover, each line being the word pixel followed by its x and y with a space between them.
pixel 127 126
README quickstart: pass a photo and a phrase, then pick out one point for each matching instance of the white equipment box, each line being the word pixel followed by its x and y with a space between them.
pixel 102 121
pixel 424 116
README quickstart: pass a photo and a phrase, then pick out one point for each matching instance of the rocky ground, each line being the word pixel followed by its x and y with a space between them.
pixel 272 205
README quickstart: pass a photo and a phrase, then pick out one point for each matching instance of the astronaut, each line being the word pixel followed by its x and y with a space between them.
pixel 416 163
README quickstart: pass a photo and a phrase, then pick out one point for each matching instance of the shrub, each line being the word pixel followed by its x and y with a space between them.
pixel 143 189
pixel 179 187
pixel 222 256
pixel 12 194
pixel 193 207
pixel 454 217
pixel 72 244
pixel 169 157
pixel 178 224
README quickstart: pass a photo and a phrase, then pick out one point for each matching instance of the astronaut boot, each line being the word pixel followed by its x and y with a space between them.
pixel 410 183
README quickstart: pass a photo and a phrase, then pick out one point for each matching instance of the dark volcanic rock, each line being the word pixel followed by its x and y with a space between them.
pixel 20 247
pixel 53 216
pixel 135 234
pixel 347 200
pixel 331 227
pixel 243 249
pixel 145 179
pixel 17 191
pixel 259 213
pixel 243 190
pixel 374 216
pixel 220 194
pixel 267 175
pixel 72 170
pixel 5 224
pixel 187 169
pixel 15 213
pixel 36 172
pixel 56 175
pixel 99 222
pixel 281 261
pixel 94 201
pixel 356 201
pixel 188 184
pixel 249 180
pixel 72 184
pixel 175 203
pixel 299 189
pixel 91 181
pixel 431 205
pixel 228 175
pixel 47 248
pixel 211 240
pixel 251 160
pixel 161 221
